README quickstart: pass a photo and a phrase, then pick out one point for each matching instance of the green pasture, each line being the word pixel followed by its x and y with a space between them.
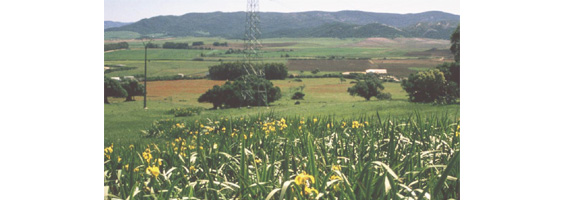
pixel 324 97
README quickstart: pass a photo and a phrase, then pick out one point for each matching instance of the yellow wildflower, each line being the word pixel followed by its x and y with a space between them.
pixel 153 171
pixel 192 169
pixel 258 160
pixel 315 120
pixel 126 166
pixel 119 159
pixel 136 169
pixel 336 167
pixel 309 191
pixel 304 178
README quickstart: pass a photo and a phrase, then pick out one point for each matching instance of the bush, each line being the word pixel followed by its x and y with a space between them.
pixel 430 86
pixel 298 95
pixel 114 46
pixel 235 93
pixel 133 88
pixel 182 112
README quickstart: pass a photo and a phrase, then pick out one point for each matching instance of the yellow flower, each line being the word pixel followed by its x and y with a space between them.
pixel 223 129
pixel 136 169
pixel 304 178
pixel 309 191
pixel 315 120
pixel 457 132
pixel 131 146
pixel 337 185
pixel 336 167
pixel 126 166
pixel 328 125
pixel 153 171
pixel 258 160
pixel 192 169
pixel 283 121
pixel 119 159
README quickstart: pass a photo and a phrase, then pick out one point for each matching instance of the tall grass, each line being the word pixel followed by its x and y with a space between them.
pixel 271 157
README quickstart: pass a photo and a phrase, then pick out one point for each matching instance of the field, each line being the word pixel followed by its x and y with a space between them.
pixel 329 146
pixel 399 56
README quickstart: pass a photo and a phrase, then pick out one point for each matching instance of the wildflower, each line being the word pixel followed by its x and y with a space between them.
pixel 355 124
pixel 328 125
pixel 304 178
pixel 201 147
pixel 131 146
pixel 283 121
pixel 258 160
pixel 215 146
pixel 223 129
pixel 336 167
pixel 457 132
pixel 119 159
pixel 337 185
pixel 147 155
pixel 315 120
pixel 309 191
pixel 192 169
pixel 153 171
pixel 136 169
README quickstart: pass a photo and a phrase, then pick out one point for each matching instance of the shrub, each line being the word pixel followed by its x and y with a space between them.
pixel 430 86
pixel 298 95
pixel 234 93
pixel 114 46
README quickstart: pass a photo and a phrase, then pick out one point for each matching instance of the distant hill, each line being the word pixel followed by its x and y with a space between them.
pixel 112 24
pixel 433 24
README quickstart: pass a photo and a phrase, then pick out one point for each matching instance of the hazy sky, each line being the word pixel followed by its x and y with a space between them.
pixel 134 10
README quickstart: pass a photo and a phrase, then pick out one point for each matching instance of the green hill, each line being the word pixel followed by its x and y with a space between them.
pixel 303 24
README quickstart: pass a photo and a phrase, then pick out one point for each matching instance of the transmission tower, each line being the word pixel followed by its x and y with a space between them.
pixel 252 54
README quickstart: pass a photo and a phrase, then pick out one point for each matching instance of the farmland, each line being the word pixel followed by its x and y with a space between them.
pixel 330 145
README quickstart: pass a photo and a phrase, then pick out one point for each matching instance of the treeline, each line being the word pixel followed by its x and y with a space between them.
pixel 216 44
pixel 174 45
pixel 114 46
pixel 233 70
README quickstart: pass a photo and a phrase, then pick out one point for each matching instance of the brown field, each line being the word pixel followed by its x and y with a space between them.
pixel 396 67
pixel 157 90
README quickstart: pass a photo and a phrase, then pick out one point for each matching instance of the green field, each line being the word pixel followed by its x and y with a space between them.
pixel 329 146
pixel 170 62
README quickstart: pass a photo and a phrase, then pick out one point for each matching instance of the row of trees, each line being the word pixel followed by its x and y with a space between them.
pixel 126 88
pixel 175 45
pixel 439 85
pixel 234 70
pixel 114 46
pixel 237 93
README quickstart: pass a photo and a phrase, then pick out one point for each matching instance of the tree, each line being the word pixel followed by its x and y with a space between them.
pixel 315 71
pixel 428 86
pixel 214 96
pixel 370 86
pixel 112 88
pixel 133 88
pixel 455 44
pixel 275 71
pixel 236 93
pixel 298 95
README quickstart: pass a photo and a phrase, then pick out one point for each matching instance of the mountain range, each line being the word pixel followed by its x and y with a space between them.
pixel 342 24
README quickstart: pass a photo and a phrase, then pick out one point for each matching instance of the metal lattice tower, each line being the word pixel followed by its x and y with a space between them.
pixel 252 47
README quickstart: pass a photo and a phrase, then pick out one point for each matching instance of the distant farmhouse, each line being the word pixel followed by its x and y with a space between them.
pixel 368 71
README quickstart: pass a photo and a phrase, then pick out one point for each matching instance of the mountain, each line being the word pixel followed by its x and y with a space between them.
pixel 301 24
pixel 112 24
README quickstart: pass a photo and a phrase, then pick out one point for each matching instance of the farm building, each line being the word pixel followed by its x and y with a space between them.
pixel 129 77
pixel 349 73
pixel 115 78
pixel 376 71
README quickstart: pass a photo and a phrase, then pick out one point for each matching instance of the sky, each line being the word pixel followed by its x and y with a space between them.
pixel 135 10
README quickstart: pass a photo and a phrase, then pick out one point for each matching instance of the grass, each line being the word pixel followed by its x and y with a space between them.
pixel 324 96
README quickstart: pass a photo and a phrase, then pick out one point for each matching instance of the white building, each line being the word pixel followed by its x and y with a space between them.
pixel 376 71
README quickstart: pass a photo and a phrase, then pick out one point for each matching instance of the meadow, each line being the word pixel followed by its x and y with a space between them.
pixel 330 146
